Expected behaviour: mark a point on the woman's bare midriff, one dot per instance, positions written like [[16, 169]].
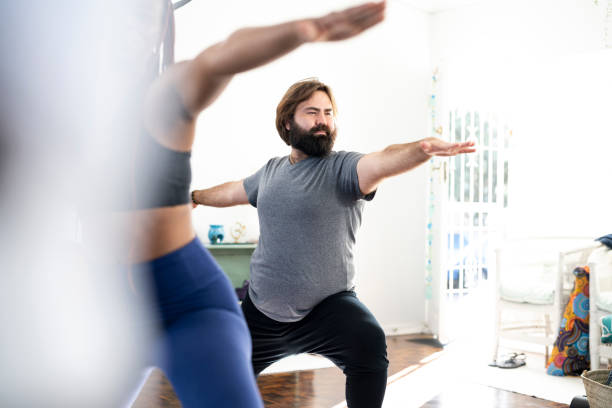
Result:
[[141, 235], [158, 231]]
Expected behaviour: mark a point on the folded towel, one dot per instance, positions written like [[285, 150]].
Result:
[[606, 240]]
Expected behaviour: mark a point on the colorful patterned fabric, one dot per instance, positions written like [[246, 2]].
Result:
[[570, 355], [606, 329]]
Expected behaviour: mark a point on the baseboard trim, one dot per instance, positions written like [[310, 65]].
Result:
[[398, 330]]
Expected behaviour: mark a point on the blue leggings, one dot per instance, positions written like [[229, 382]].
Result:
[[204, 346]]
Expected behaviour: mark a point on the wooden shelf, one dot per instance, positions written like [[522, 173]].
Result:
[[234, 246], [234, 259]]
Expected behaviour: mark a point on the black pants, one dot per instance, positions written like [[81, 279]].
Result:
[[340, 328]]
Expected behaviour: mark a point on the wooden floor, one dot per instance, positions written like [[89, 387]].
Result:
[[480, 396], [297, 389]]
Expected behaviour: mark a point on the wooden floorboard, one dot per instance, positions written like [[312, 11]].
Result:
[[474, 395], [323, 388]]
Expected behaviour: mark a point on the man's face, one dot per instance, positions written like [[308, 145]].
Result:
[[313, 129]]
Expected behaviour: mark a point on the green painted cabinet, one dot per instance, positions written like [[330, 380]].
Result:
[[234, 259]]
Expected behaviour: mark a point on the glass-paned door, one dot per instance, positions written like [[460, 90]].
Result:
[[472, 192]]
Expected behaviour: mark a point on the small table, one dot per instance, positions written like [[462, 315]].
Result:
[[234, 259]]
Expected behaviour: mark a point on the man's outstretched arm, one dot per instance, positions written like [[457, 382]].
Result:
[[224, 195], [397, 159]]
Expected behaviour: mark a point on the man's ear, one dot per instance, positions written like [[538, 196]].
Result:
[[287, 126]]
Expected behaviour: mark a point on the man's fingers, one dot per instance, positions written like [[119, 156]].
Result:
[[469, 143], [445, 149], [466, 151]]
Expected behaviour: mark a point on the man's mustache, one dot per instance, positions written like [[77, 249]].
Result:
[[319, 128]]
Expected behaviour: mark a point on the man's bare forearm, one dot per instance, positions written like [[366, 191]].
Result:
[[397, 159], [393, 160], [400, 158]]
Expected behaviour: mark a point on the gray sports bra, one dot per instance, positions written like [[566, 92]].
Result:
[[161, 176]]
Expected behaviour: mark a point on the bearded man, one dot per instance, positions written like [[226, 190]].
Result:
[[301, 297]]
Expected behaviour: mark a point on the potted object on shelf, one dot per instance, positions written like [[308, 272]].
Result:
[[216, 233]]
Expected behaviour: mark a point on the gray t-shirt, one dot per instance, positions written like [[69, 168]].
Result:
[[309, 213]]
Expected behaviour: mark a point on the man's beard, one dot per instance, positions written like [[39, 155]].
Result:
[[308, 142]]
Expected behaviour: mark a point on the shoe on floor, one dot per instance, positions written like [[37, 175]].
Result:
[[512, 360]]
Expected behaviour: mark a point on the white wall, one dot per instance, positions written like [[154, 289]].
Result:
[[381, 83], [541, 64], [506, 29]]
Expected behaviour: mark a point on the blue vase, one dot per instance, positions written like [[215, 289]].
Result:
[[215, 234]]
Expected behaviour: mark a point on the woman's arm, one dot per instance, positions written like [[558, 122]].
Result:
[[187, 88]]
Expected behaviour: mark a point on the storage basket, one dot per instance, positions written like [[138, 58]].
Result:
[[598, 394]]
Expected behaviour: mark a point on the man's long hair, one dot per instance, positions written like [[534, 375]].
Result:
[[296, 94]]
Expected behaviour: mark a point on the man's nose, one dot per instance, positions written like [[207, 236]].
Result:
[[321, 119]]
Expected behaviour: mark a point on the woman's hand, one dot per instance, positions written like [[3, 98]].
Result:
[[344, 24]]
